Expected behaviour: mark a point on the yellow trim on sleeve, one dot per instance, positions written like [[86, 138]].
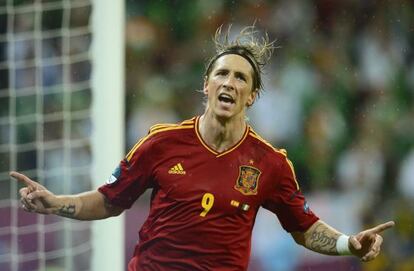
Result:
[[255, 135], [293, 172], [130, 153], [152, 132], [166, 125]]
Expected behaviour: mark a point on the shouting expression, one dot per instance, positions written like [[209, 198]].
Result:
[[229, 87]]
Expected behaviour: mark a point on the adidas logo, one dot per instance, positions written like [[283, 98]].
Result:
[[177, 169]]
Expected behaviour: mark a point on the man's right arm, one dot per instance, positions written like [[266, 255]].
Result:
[[90, 205]]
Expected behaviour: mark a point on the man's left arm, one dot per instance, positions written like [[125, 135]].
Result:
[[324, 239]]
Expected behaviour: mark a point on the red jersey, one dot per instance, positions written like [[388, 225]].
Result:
[[204, 203]]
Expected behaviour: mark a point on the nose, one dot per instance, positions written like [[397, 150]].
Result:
[[229, 82]]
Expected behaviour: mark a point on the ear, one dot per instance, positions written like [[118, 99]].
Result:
[[205, 85], [252, 98]]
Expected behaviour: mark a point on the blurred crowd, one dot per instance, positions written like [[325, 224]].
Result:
[[339, 96]]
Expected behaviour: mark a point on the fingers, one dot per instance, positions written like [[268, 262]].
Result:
[[27, 200], [374, 240], [382, 227], [34, 200], [38, 194], [24, 191], [374, 250], [27, 205], [355, 243], [367, 244], [23, 178]]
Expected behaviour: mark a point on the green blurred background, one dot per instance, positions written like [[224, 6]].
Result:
[[339, 96]]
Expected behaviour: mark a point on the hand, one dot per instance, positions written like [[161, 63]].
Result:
[[367, 244], [35, 197]]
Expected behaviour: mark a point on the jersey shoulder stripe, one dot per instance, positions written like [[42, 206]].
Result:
[[158, 128], [258, 137], [281, 151], [162, 126]]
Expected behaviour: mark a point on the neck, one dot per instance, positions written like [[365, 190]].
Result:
[[221, 134]]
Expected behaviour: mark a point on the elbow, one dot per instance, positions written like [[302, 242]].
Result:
[[112, 210], [299, 238], [117, 211]]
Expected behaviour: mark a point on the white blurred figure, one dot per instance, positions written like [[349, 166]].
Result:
[[273, 246], [279, 117], [405, 184], [360, 170]]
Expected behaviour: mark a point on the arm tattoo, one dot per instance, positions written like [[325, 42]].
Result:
[[67, 210], [323, 240]]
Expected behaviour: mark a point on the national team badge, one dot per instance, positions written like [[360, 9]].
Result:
[[248, 180]]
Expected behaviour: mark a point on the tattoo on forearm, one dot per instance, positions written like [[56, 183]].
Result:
[[322, 240], [67, 210]]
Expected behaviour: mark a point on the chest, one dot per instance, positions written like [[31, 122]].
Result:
[[232, 183]]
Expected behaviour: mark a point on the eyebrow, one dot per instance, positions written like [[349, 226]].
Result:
[[236, 72], [241, 74]]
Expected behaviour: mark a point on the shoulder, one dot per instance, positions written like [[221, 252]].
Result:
[[168, 129], [160, 133], [278, 157], [266, 147]]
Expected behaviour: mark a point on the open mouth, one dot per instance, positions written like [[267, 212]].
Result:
[[226, 98]]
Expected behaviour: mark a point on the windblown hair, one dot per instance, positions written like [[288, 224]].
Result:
[[257, 51]]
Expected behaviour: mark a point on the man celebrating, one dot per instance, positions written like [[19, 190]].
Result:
[[209, 175]]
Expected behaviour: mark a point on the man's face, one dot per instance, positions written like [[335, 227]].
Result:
[[229, 86]]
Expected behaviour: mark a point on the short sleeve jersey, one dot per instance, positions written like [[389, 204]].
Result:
[[204, 203]]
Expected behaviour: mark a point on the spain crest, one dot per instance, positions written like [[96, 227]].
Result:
[[248, 180]]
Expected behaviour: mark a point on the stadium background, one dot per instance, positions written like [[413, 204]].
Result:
[[339, 97]]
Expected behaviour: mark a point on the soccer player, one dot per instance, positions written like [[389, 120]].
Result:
[[209, 175]]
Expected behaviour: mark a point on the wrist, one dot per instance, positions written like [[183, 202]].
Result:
[[342, 245]]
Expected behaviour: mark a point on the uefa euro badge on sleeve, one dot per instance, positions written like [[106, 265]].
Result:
[[114, 176], [248, 180], [306, 207]]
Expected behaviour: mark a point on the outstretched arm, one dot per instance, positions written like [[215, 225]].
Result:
[[90, 205], [322, 238]]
